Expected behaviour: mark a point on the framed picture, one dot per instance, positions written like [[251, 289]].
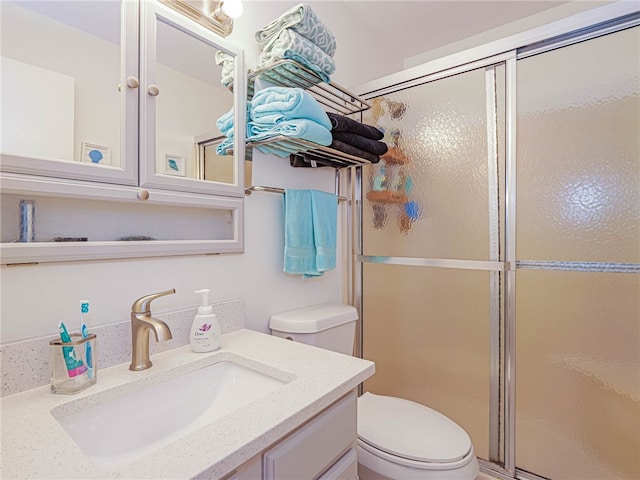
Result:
[[174, 165], [96, 154]]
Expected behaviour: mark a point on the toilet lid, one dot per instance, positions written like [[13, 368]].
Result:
[[410, 430]]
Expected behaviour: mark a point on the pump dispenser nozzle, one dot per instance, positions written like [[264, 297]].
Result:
[[205, 308]]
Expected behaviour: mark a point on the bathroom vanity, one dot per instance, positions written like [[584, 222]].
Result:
[[303, 427]]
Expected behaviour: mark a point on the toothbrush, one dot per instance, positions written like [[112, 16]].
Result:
[[84, 312], [74, 366]]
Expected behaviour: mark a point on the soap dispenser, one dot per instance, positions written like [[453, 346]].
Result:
[[205, 331]]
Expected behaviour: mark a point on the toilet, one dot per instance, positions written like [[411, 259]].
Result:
[[397, 439]]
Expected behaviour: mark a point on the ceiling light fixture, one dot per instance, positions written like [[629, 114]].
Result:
[[228, 10]]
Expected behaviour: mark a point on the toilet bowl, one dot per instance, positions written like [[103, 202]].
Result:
[[401, 439], [397, 439]]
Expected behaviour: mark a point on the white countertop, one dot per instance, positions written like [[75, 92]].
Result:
[[35, 445]]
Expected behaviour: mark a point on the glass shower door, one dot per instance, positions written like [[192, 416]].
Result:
[[578, 245], [504, 290], [431, 267]]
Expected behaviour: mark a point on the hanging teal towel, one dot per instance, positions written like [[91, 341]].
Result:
[[311, 220]]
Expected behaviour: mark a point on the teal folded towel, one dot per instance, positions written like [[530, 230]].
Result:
[[297, 128], [225, 123], [275, 104], [311, 220], [280, 149]]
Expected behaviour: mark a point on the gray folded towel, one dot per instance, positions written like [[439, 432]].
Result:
[[303, 20], [289, 44], [226, 61]]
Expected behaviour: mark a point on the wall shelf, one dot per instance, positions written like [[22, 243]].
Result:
[[313, 151], [287, 73]]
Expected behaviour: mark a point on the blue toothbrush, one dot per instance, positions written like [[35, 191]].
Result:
[[84, 311]]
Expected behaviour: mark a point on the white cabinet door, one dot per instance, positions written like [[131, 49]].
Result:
[[69, 90], [87, 130], [313, 449], [181, 98], [344, 469]]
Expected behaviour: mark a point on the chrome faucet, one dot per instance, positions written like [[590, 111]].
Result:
[[141, 323]]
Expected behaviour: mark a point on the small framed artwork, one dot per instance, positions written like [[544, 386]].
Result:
[[174, 165], [96, 154]]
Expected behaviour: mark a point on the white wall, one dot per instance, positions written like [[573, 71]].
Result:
[[361, 54], [527, 23], [35, 298]]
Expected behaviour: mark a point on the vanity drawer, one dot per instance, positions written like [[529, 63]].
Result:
[[308, 452], [344, 469]]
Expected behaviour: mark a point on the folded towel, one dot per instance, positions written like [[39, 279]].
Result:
[[225, 123], [351, 150], [226, 61], [307, 159], [340, 123], [363, 143], [286, 71], [311, 219], [291, 45], [279, 149], [296, 128], [275, 104], [303, 20]]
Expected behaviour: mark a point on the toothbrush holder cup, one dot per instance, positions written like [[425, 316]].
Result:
[[73, 364]]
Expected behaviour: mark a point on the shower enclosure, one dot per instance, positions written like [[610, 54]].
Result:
[[497, 266]]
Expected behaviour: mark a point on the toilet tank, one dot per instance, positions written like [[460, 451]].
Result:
[[329, 325]]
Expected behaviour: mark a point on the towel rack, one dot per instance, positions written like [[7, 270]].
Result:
[[289, 73], [258, 188]]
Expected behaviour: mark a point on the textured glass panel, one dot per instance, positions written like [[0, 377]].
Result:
[[578, 152], [428, 196], [578, 374], [427, 330]]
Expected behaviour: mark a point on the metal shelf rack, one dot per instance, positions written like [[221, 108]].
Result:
[[314, 152], [288, 73]]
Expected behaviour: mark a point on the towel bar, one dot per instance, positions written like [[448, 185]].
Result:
[[258, 188]]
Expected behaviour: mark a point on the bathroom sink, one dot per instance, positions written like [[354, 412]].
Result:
[[121, 430]]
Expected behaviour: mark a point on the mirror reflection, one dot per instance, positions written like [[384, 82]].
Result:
[[213, 166], [191, 98], [60, 73]]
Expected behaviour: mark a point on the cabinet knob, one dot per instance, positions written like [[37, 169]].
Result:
[[132, 82], [153, 90], [143, 194]]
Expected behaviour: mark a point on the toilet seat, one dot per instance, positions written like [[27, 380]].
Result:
[[394, 429]]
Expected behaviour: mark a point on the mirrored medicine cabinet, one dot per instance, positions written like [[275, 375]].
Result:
[[116, 99]]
